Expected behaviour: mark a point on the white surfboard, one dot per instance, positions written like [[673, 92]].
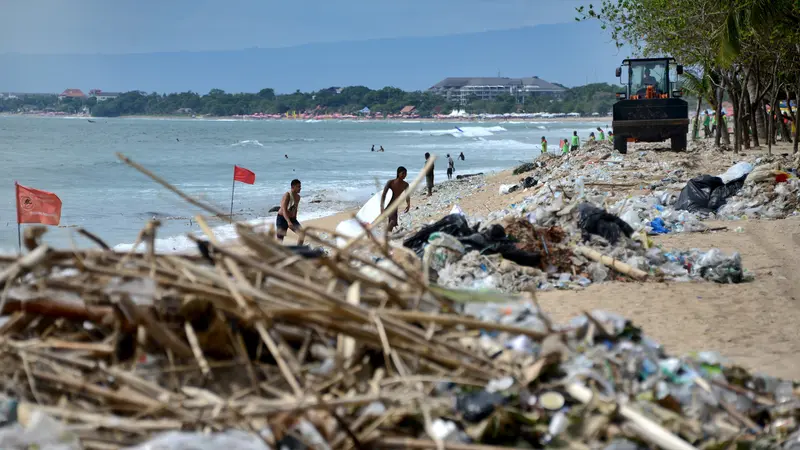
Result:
[[367, 214], [372, 209]]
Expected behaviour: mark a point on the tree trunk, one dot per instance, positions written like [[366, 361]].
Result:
[[796, 115], [751, 111], [696, 127], [758, 120], [771, 122], [737, 113], [786, 127], [718, 116]]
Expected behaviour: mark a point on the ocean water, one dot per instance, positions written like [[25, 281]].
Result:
[[76, 160]]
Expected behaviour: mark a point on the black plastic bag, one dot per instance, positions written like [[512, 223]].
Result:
[[721, 194], [454, 224], [306, 251], [477, 406], [594, 220], [696, 195], [494, 240], [529, 182]]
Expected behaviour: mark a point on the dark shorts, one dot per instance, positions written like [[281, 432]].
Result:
[[449, 171], [429, 180], [282, 225]]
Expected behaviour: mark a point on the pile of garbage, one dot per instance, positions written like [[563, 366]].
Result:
[[573, 248], [269, 349], [771, 191]]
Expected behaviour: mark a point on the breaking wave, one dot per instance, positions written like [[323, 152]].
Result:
[[469, 132], [481, 144], [249, 142]]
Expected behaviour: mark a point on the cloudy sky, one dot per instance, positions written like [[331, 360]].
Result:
[[145, 26]]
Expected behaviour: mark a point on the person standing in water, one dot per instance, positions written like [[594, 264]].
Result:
[[373, 147], [287, 214], [461, 156], [429, 176], [451, 167], [544, 145], [576, 141], [398, 186], [381, 149]]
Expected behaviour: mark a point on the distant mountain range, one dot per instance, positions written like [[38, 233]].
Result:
[[569, 54]]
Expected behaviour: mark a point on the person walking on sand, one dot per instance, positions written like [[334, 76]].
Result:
[[544, 145], [600, 135], [451, 167], [576, 141], [429, 176], [287, 214], [398, 186]]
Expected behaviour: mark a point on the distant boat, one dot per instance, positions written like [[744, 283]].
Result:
[[91, 121]]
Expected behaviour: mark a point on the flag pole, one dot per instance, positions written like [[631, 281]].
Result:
[[233, 189], [19, 227]]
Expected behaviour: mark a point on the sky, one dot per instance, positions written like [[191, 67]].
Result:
[[37, 33]]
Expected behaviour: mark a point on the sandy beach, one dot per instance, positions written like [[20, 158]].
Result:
[[752, 324]]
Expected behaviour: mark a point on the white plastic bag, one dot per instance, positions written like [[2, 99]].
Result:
[[736, 171], [231, 439]]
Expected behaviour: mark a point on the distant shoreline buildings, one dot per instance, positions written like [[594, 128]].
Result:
[[462, 89]]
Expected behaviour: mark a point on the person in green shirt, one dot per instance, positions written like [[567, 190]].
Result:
[[706, 125], [610, 136], [565, 148], [544, 145], [601, 136], [576, 141]]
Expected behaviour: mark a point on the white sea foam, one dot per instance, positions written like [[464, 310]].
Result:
[[481, 144], [223, 233], [247, 142], [469, 132]]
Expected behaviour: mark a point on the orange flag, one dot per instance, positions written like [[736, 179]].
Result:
[[35, 206]]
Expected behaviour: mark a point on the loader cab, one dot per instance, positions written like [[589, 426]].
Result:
[[650, 72]]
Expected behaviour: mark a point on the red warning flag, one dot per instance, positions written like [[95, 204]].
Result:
[[243, 175], [35, 206]]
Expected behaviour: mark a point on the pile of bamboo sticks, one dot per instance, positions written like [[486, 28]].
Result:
[[124, 345]]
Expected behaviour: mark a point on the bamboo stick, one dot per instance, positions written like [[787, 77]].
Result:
[[612, 263]]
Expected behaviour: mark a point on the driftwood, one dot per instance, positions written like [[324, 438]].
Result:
[[612, 263]]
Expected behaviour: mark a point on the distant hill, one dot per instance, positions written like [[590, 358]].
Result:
[[569, 54]]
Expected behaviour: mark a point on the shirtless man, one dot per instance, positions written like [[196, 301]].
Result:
[[287, 214], [429, 175], [398, 186]]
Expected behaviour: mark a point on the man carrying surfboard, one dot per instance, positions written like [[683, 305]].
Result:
[[397, 186]]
